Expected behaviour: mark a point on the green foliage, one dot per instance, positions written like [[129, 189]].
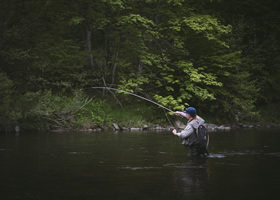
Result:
[[94, 114], [209, 26], [215, 55], [137, 115], [130, 84], [45, 110], [5, 99], [5, 90], [169, 101], [76, 20]]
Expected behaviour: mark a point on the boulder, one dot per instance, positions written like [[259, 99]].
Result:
[[159, 128], [115, 126], [135, 129], [125, 128], [211, 127], [145, 127], [222, 127], [17, 129]]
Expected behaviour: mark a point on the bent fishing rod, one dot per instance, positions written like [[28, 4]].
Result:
[[109, 88]]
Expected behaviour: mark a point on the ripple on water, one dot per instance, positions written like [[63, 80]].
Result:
[[137, 168], [79, 153], [227, 154], [184, 165], [244, 153], [276, 154], [5, 149], [216, 156]]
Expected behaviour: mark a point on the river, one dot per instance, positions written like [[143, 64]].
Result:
[[243, 164]]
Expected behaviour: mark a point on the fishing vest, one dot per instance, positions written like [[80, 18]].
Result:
[[193, 139]]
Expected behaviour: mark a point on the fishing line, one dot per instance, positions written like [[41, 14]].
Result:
[[109, 88]]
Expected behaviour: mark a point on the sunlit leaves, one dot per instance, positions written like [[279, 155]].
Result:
[[209, 26], [76, 20], [131, 83], [169, 101]]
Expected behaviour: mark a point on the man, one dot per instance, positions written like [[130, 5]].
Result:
[[189, 135]]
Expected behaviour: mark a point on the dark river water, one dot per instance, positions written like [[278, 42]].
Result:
[[243, 164]]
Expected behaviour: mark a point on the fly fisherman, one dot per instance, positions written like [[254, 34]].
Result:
[[196, 145]]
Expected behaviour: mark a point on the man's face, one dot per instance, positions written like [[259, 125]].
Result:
[[188, 116]]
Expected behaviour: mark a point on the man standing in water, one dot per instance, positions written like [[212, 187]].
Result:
[[196, 145]]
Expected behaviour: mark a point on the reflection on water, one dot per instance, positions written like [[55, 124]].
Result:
[[245, 153], [190, 179], [277, 154], [242, 164], [138, 168], [216, 155]]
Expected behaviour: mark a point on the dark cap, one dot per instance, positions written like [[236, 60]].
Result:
[[191, 111]]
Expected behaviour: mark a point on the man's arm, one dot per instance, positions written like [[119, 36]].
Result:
[[180, 114], [185, 133]]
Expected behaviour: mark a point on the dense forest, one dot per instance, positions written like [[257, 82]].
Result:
[[220, 56]]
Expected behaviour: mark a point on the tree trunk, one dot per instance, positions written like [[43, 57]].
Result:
[[89, 45], [115, 65], [140, 69], [107, 54]]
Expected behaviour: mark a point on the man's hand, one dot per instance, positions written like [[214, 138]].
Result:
[[180, 114], [174, 132], [177, 113]]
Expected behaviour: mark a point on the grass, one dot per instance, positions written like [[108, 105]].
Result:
[[104, 112], [132, 115]]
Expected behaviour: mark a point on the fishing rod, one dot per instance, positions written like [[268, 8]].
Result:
[[109, 88]]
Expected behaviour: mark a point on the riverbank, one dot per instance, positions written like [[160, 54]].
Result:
[[78, 113], [178, 125], [163, 127]]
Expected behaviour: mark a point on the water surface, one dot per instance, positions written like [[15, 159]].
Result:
[[243, 164]]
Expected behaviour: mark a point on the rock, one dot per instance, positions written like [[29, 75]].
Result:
[[221, 127], [90, 130], [246, 126], [115, 126], [17, 129], [124, 128], [145, 127], [158, 128], [210, 127], [135, 129], [83, 130]]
